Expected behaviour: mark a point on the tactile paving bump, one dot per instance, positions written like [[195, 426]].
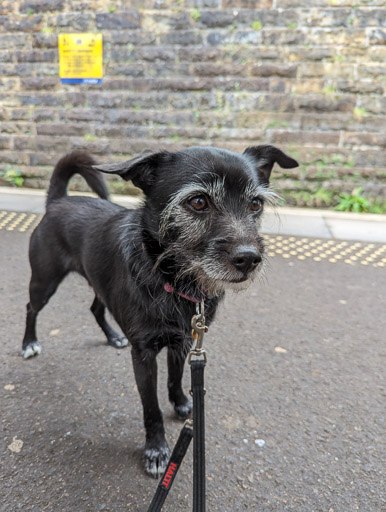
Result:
[[287, 247], [16, 221], [332, 251]]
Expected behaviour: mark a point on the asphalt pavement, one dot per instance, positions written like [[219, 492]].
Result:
[[295, 402]]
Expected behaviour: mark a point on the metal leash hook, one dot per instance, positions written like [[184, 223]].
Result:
[[198, 330]]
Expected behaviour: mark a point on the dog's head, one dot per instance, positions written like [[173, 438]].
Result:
[[202, 211]]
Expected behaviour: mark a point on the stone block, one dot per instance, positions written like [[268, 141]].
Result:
[[22, 23], [364, 139], [41, 99], [360, 87], [5, 142], [14, 157], [74, 22], [247, 4], [81, 115], [215, 19], [64, 129], [19, 128], [273, 36], [336, 36], [214, 69], [309, 53], [43, 114], [135, 37], [181, 37], [36, 84], [42, 6], [45, 41], [10, 41], [372, 70], [119, 20], [372, 104], [6, 56], [305, 138], [267, 70], [377, 36], [371, 17], [19, 114], [198, 53], [309, 86], [316, 103], [36, 55], [153, 53]]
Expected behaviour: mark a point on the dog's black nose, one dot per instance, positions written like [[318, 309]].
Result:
[[245, 259]]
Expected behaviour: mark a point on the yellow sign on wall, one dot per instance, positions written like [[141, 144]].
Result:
[[80, 58]]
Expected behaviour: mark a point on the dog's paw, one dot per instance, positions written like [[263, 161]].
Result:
[[118, 341], [31, 350], [156, 460], [183, 411]]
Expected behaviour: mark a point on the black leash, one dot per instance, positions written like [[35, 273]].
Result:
[[197, 361], [166, 481], [197, 369]]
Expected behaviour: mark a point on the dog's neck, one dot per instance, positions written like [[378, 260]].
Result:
[[169, 288], [167, 267]]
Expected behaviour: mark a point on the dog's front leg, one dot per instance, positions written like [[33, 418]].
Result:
[[156, 449], [182, 404]]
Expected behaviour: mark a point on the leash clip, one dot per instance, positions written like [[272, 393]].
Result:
[[198, 331]]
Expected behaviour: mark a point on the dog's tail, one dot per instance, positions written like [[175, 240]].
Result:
[[78, 162]]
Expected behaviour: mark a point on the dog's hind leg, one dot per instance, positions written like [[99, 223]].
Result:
[[113, 338], [40, 289], [182, 405], [156, 453]]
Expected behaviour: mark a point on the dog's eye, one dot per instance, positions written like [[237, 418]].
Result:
[[256, 204], [198, 203]]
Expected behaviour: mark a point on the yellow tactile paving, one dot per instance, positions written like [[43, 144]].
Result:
[[287, 247], [17, 221], [332, 251]]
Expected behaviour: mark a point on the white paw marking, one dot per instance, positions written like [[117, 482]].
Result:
[[123, 342], [33, 349], [156, 461]]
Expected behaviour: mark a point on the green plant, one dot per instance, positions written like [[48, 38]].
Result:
[[329, 90], [89, 137], [277, 124], [292, 25], [257, 25], [323, 197], [13, 177], [351, 20], [112, 9], [359, 112], [195, 14], [354, 202]]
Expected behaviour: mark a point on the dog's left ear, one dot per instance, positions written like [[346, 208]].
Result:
[[140, 170], [265, 156]]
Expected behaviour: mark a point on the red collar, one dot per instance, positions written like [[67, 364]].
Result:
[[169, 288]]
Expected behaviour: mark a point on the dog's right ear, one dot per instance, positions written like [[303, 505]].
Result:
[[140, 170]]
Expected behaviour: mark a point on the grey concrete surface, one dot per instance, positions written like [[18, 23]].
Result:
[[295, 403], [285, 221]]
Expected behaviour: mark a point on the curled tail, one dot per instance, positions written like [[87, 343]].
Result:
[[78, 162]]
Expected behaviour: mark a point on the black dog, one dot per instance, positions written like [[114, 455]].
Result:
[[195, 236]]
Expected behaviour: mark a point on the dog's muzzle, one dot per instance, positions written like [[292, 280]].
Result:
[[245, 259]]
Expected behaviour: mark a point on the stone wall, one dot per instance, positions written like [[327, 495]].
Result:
[[306, 75]]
